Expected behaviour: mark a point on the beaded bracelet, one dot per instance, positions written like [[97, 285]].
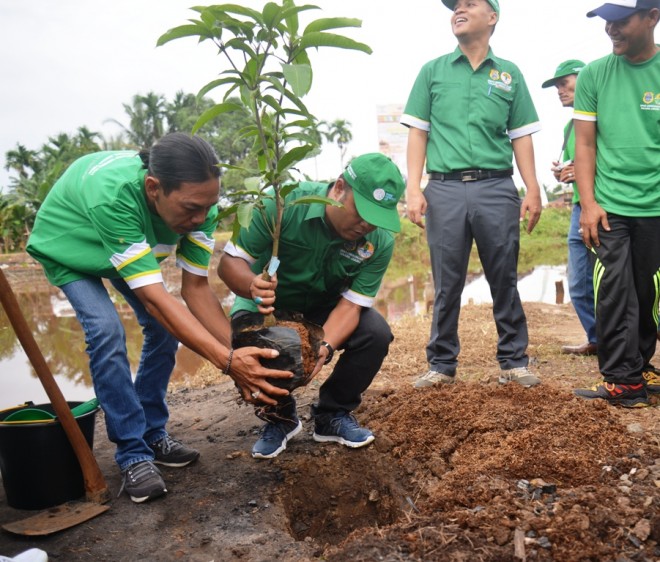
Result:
[[226, 369]]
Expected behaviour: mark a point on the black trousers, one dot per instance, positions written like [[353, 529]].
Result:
[[361, 358], [362, 355], [626, 290]]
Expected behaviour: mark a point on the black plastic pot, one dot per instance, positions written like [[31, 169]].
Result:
[[248, 330]]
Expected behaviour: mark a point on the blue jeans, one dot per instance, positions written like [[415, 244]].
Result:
[[580, 277], [135, 412]]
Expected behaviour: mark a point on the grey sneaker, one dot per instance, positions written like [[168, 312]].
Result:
[[521, 375], [170, 452], [433, 378], [142, 481]]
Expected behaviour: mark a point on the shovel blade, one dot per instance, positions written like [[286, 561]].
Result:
[[56, 518]]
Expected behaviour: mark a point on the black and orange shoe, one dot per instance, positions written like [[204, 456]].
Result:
[[652, 382], [626, 395]]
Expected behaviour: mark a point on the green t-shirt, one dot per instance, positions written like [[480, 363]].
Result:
[[317, 267], [95, 222], [624, 100], [471, 116]]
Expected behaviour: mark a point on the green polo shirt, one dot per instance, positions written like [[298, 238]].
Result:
[[471, 116], [623, 99], [569, 154], [317, 267], [95, 222]]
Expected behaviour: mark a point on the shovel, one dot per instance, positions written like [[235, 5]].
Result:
[[96, 491]]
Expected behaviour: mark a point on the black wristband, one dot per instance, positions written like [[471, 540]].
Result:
[[331, 351], [228, 367]]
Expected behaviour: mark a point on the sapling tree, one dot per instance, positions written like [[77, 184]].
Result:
[[267, 64]]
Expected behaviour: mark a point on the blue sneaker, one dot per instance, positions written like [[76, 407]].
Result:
[[341, 427], [274, 437]]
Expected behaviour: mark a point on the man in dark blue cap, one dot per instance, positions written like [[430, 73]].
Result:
[[617, 149], [618, 11]]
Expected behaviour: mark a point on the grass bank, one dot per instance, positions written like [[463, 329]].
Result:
[[546, 245]]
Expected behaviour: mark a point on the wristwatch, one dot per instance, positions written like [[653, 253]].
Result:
[[330, 349]]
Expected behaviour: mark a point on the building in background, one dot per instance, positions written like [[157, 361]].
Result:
[[392, 135]]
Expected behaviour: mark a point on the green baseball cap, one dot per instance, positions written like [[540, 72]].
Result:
[[377, 187], [493, 3], [566, 68]]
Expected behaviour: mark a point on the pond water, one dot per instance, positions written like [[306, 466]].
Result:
[[61, 340]]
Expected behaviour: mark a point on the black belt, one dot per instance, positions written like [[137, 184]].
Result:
[[471, 175]]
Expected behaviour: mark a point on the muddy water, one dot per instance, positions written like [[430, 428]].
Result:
[[61, 340]]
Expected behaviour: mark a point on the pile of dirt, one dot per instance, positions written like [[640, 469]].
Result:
[[488, 464], [475, 471]]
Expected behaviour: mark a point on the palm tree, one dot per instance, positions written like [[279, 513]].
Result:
[[314, 135], [182, 112], [86, 140], [154, 105], [339, 133], [20, 160], [146, 116]]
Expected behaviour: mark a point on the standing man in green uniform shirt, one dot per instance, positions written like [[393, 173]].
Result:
[[468, 113], [617, 150], [580, 268], [116, 215], [333, 260]]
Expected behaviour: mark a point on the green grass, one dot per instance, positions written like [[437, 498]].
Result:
[[546, 245]]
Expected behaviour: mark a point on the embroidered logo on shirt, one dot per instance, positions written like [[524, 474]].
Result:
[[651, 101], [357, 252], [500, 80], [366, 250]]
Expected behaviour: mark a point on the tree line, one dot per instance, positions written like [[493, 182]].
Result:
[[150, 116]]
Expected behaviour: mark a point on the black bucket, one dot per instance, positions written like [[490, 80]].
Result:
[[39, 468]]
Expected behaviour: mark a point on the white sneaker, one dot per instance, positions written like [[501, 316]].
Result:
[[32, 555], [521, 375], [432, 378]]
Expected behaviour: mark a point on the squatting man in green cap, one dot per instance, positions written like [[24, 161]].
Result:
[[333, 260], [469, 112], [580, 267]]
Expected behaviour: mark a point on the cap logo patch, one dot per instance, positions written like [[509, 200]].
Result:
[[379, 194]]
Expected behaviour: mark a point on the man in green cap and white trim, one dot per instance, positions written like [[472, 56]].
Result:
[[580, 267], [469, 112], [333, 259]]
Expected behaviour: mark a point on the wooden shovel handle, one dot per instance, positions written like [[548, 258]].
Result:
[[96, 489]]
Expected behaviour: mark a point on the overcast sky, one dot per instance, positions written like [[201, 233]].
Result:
[[68, 63]]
